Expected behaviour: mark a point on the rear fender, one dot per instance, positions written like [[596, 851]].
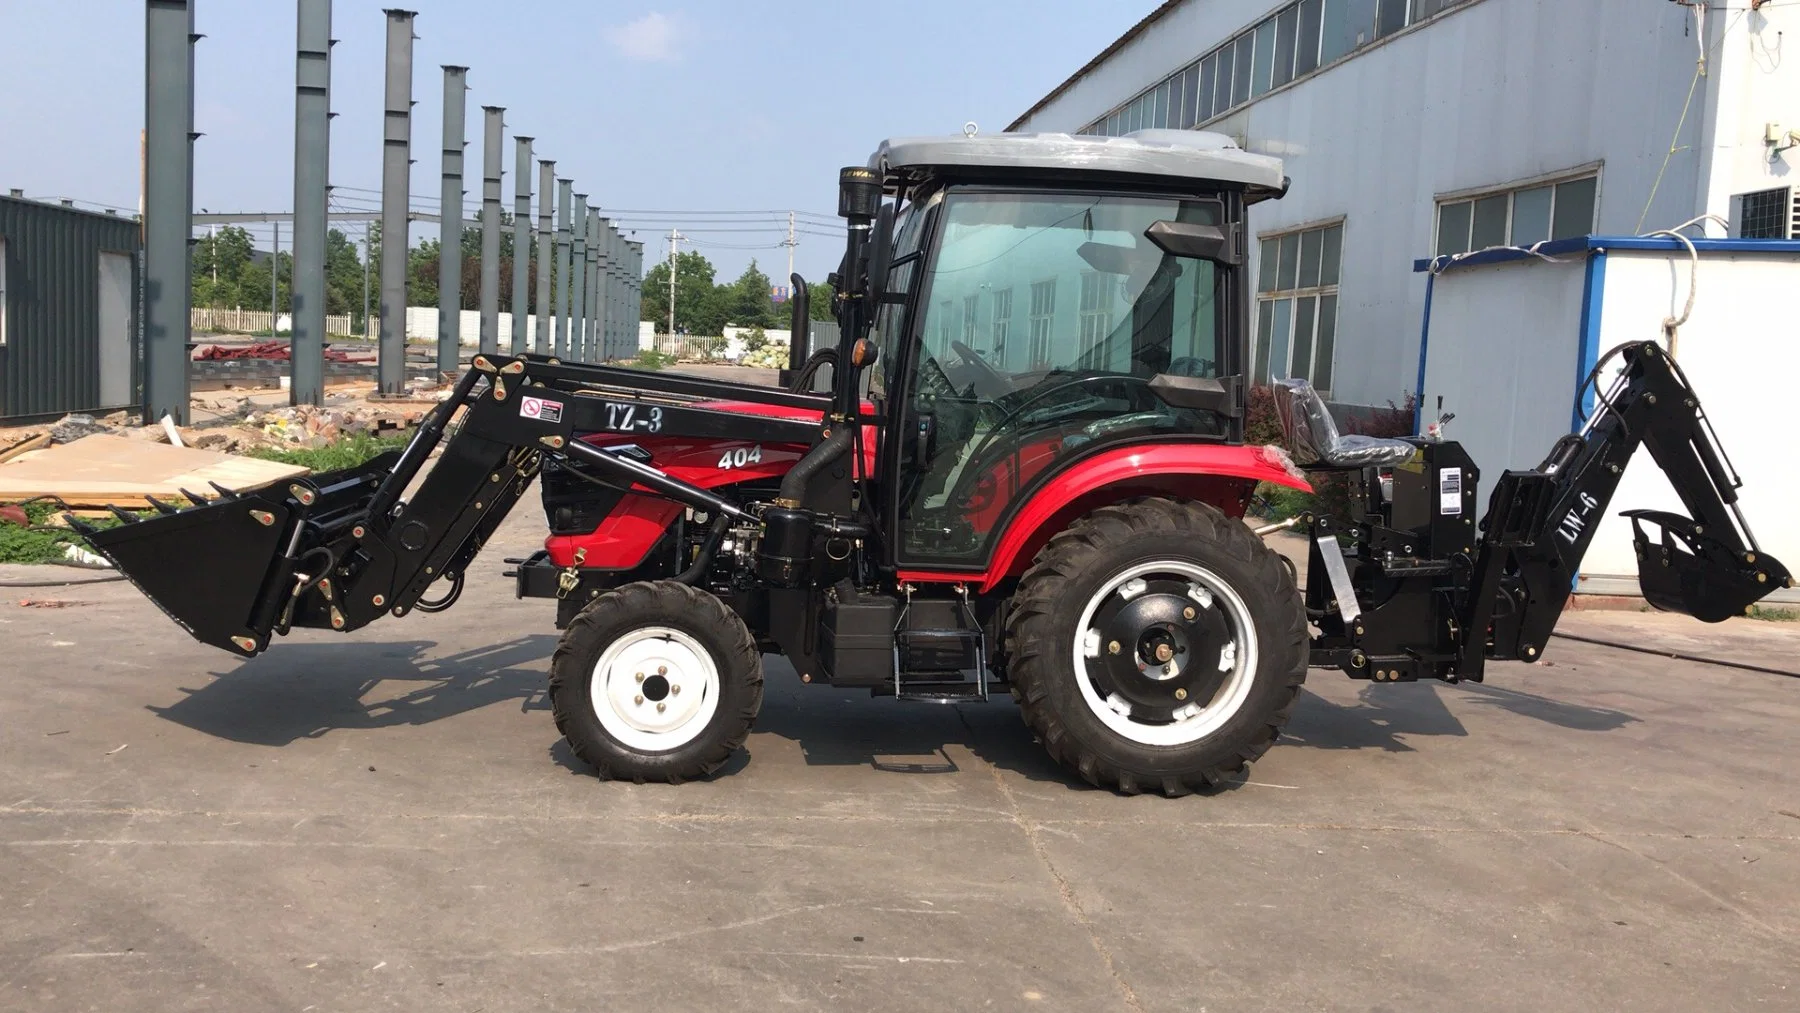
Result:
[[1223, 476]]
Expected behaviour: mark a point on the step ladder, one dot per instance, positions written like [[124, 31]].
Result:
[[941, 691]]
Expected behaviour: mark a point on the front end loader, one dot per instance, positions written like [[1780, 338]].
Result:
[[1022, 470]]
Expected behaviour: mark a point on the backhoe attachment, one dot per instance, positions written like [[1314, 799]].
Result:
[[1409, 587]]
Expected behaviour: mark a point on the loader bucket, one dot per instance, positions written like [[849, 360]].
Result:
[[206, 566], [1686, 571]]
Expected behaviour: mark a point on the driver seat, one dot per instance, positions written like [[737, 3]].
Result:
[[1313, 436]]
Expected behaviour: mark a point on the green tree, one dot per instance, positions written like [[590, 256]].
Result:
[[747, 302], [818, 301], [343, 275], [697, 305]]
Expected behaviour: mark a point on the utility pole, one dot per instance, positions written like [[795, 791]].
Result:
[[275, 281], [790, 245], [674, 237]]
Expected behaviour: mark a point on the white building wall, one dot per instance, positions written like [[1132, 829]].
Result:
[[1491, 93], [1738, 351]]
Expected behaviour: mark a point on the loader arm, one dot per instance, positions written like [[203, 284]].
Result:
[[338, 550]]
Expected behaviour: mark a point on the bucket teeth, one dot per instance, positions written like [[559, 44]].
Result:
[[194, 498], [161, 507], [124, 516], [79, 526], [224, 493]]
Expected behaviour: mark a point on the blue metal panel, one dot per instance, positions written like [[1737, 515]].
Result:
[[1424, 349], [1593, 298], [1508, 254]]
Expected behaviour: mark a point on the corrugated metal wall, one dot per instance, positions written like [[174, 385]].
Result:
[[51, 361]]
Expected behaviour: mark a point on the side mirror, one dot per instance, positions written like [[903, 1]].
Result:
[[1198, 242]]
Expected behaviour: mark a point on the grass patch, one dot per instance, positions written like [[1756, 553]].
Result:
[[1774, 614], [649, 359], [345, 453], [39, 543]]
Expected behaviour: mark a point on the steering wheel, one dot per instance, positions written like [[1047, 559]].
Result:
[[973, 358]]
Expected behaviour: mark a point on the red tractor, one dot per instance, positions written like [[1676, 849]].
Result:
[[1027, 472]]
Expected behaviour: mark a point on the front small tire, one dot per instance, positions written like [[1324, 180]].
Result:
[[655, 681], [1156, 645]]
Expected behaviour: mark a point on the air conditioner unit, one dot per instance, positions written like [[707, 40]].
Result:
[[1766, 214]]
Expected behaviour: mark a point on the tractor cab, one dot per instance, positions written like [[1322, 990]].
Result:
[[1045, 298]]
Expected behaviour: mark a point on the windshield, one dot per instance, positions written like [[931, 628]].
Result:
[[1038, 283]]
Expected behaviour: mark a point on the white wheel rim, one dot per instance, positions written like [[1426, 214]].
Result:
[[655, 689], [1198, 718]]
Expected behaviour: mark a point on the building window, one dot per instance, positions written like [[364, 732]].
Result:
[[1296, 305], [1518, 217], [1096, 310], [1002, 322], [945, 334], [1768, 214], [1296, 40], [971, 310], [1043, 312]]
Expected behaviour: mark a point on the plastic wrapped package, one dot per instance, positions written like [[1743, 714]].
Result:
[[1313, 436]]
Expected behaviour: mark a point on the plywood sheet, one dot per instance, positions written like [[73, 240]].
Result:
[[103, 469]]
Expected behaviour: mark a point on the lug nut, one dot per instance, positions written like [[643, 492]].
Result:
[[1181, 694], [674, 690], [640, 677], [662, 670], [638, 700], [661, 707], [1164, 652], [1112, 648], [1188, 613]]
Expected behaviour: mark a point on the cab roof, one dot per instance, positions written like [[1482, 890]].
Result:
[[1175, 155]]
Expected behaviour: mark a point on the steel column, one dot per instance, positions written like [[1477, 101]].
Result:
[[521, 305], [396, 177], [493, 136], [450, 219], [168, 204], [634, 294], [546, 239], [312, 163], [578, 259], [564, 196], [603, 264]]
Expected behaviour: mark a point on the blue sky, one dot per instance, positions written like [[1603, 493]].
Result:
[[695, 106]]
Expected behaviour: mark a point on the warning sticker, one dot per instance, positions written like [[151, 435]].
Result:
[[1450, 491], [541, 409]]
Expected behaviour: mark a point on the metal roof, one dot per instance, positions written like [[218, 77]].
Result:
[[1176, 154]]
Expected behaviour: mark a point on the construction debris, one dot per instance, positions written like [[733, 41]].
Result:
[[273, 351], [106, 470]]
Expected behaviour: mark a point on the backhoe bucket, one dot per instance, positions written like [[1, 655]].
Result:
[[208, 567], [1688, 572]]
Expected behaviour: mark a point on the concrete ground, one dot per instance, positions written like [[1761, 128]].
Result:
[[389, 821]]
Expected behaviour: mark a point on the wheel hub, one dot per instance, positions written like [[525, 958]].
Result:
[[655, 688], [1164, 650]]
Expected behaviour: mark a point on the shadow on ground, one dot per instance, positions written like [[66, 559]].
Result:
[[306, 690], [1382, 715]]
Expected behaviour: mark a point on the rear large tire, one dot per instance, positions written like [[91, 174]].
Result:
[[656, 681], [1156, 644]]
